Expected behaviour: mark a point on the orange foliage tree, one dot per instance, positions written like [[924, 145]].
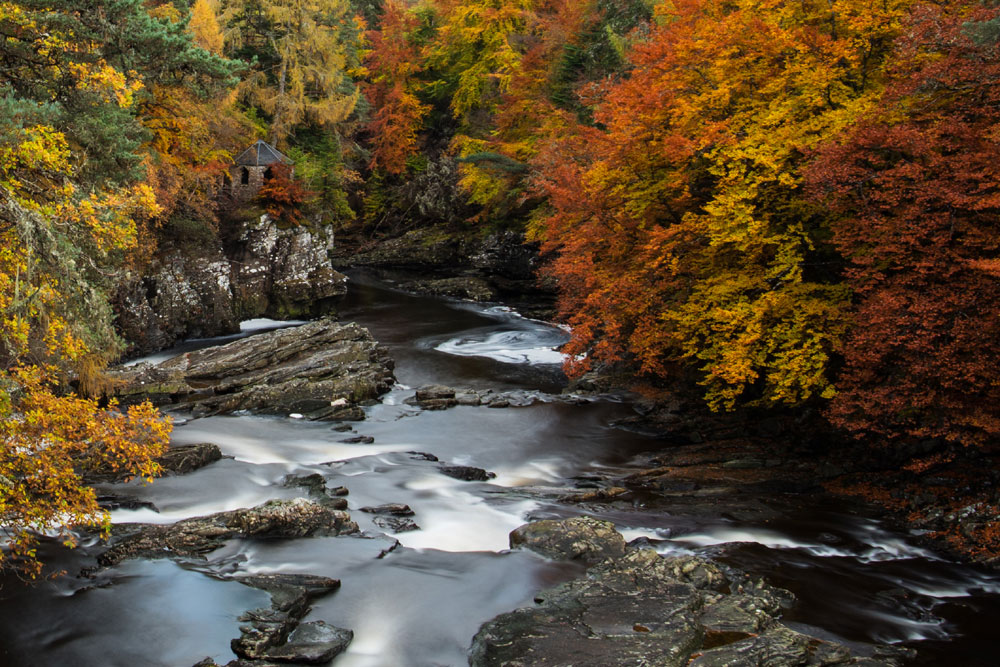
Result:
[[393, 63], [679, 223], [282, 196]]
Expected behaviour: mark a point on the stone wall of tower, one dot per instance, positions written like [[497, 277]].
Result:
[[247, 181]]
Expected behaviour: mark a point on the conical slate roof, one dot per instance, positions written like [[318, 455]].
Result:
[[261, 154]]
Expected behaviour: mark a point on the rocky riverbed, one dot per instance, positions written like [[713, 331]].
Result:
[[442, 530]]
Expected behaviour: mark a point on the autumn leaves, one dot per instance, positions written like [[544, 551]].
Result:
[[684, 230], [793, 199]]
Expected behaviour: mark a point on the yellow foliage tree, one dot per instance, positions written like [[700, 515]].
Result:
[[60, 243], [310, 46]]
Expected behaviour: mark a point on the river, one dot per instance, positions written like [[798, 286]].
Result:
[[419, 605]]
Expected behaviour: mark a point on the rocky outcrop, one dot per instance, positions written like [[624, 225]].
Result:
[[504, 254], [283, 273], [469, 288], [321, 370], [636, 607], [440, 261], [200, 535], [204, 288], [183, 294]]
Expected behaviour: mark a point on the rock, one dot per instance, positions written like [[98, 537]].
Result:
[[269, 629], [302, 369], [316, 485], [200, 535], [580, 538], [283, 273], [394, 509], [597, 495], [433, 397], [738, 614], [358, 440], [471, 288], [641, 608], [499, 261], [433, 391], [466, 473], [205, 286], [423, 456], [395, 524], [291, 592], [112, 502], [437, 403], [312, 643], [185, 293], [469, 398], [182, 459], [177, 460], [779, 647], [351, 413], [263, 629]]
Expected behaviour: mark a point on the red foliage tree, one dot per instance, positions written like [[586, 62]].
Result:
[[918, 188], [282, 196]]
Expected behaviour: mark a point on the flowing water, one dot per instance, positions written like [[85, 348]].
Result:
[[419, 605]]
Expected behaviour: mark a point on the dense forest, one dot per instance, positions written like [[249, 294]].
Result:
[[778, 203]]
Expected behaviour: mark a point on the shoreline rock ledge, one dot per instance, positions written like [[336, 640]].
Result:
[[322, 370], [636, 607]]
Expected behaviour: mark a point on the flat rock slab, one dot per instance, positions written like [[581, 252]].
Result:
[[200, 535], [441, 397], [321, 370]]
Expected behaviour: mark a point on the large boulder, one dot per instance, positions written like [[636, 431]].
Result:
[[321, 370]]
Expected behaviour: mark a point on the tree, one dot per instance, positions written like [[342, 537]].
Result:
[[393, 64], [682, 232], [303, 51], [70, 209], [916, 186], [475, 49]]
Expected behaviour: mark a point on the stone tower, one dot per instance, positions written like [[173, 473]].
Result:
[[250, 168]]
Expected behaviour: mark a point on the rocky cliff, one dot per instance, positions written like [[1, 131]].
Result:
[[205, 288]]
